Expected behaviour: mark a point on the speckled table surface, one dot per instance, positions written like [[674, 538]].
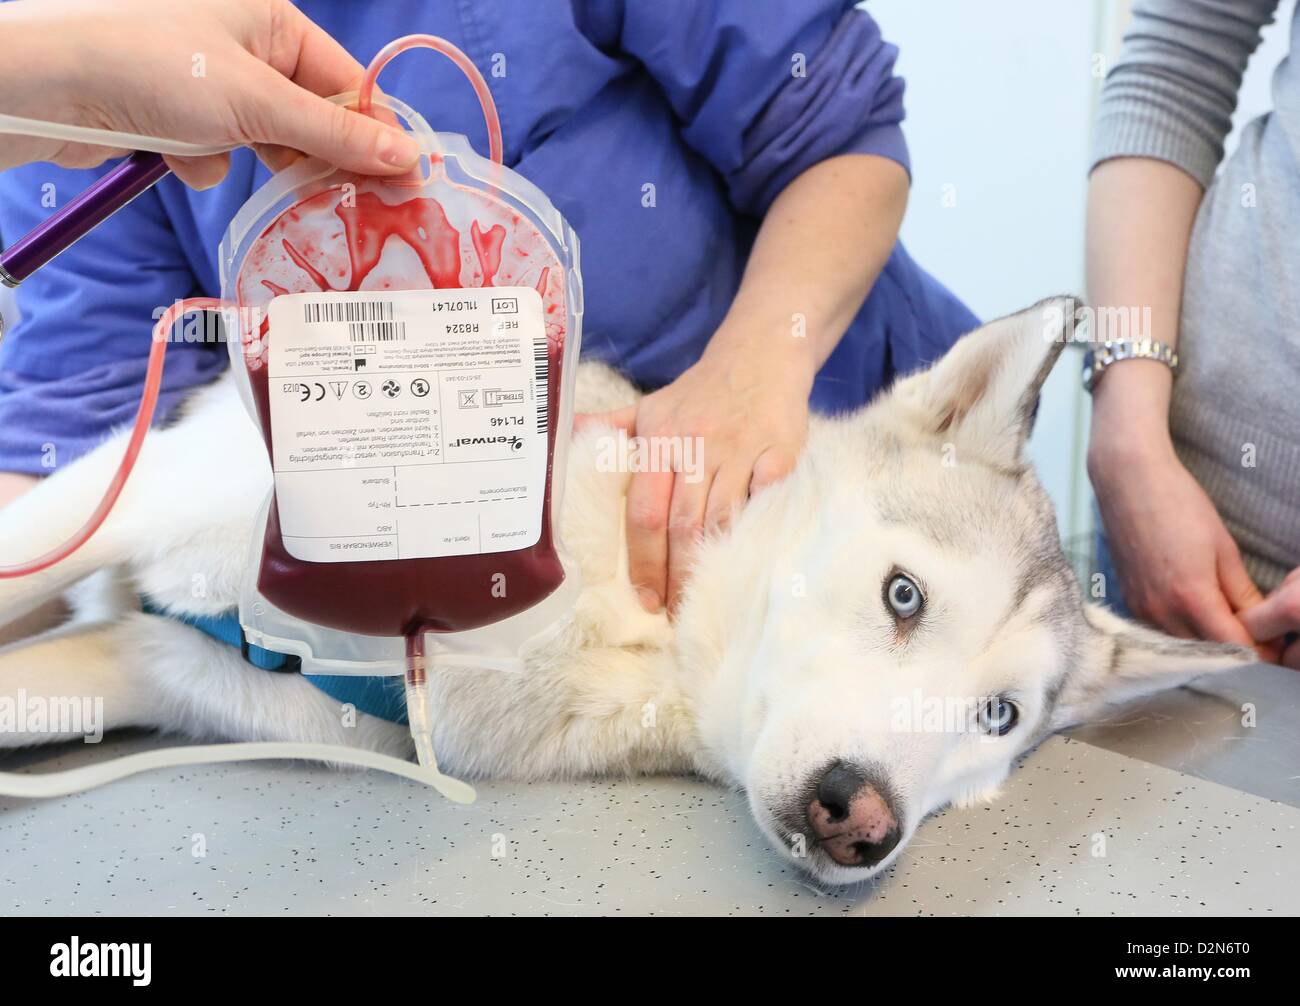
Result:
[[1086, 825]]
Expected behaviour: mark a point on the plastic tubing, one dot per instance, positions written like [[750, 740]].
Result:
[[46, 785], [419, 716], [482, 92], [16, 126], [143, 419]]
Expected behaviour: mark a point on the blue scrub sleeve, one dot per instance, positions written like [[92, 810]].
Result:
[[767, 89]]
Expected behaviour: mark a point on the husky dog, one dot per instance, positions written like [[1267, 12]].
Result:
[[911, 562]]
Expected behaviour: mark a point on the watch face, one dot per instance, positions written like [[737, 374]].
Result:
[[1089, 359]]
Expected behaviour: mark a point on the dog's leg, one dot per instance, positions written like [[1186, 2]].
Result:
[[152, 672], [70, 683], [206, 470], [597, 712], [33, 524], [48, 514], [206, 690], [40, 619]]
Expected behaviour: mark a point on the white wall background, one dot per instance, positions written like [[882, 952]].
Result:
[[1000, 101], [1255, 97]]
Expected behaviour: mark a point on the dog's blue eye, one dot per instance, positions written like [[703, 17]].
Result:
[[998, 716], [903, 596]]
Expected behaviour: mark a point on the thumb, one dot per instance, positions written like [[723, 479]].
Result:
[[288, 116]]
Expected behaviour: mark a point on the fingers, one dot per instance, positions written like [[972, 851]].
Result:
[[668, 513], [649, 500], [276, 158], [772, 465], [649, 497], [323, 66], [1270, 652], [1268, 620], [199, 172], [196, 172], [619, 419], [708, 503], [699, 507], [78, 155], [1276, 615], [1210, 617], [730, 488], [1238, 587], [288, 116], [686, 515]]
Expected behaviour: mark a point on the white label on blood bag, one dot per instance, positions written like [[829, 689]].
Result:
[[408, 424]]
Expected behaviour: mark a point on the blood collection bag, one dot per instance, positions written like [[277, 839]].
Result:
[[408, 349]]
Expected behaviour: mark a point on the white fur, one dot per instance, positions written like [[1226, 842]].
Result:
[[783, 658]]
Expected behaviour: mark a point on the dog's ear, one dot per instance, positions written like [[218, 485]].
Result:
[[1123, 661], [982, 395]]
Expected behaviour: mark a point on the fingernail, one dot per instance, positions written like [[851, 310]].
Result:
[[649, 599], [398, 149]]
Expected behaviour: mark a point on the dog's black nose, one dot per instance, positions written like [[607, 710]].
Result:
[[852, 820]]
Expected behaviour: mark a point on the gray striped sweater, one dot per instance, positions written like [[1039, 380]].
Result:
[[1235, 416]]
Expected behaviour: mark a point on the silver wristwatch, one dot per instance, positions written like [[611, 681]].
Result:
[[1101, 356]]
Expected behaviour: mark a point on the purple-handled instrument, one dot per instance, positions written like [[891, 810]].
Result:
[[135, 175]]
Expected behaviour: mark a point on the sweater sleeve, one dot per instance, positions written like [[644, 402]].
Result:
[[764, 90], [1172, 94]]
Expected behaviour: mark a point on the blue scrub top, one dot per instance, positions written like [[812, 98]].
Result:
[[715, 105]]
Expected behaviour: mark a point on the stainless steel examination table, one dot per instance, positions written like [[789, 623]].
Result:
[[1172, 807]]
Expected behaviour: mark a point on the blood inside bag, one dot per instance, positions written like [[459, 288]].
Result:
[[343, 239]]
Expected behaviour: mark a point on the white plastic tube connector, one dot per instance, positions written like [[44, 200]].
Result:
[[44, 785], [17, 126], [420, 716]]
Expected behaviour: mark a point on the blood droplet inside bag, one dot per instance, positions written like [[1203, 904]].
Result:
[[369, 236]]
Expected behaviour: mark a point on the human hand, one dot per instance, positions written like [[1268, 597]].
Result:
[[206, 71], [1178, 566], [734, 423], [1276, 620]]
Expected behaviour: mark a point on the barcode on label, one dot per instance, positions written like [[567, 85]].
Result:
[[377, 331], [540, 363], [362, 310]]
